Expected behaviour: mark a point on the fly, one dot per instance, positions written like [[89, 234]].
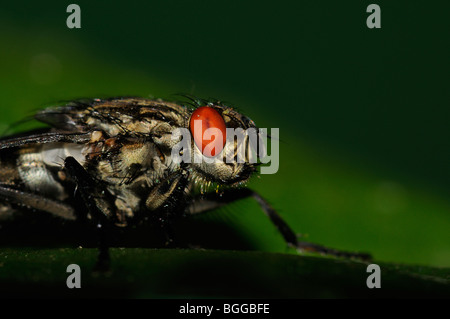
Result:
[[109, 162]]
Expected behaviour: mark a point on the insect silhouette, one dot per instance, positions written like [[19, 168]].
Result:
[[109, 162]]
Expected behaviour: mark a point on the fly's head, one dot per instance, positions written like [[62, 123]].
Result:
[[220, 143]]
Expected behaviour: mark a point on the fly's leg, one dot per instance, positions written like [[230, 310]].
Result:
[[212, 201], [164, 201], [34, 201], [92, 197]]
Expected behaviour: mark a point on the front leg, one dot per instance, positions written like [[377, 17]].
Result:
[[210, 201], [166, 202], [92, 198]]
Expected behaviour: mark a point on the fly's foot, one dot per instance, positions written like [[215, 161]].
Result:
[[103, 264]]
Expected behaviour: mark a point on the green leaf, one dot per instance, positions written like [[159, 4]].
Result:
[[181, 273]]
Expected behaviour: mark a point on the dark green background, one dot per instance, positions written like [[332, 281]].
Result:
[[363, 113]]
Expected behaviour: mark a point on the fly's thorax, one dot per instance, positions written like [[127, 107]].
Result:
[[127, 161], [117, 116]]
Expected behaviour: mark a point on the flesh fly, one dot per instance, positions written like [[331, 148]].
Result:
[[110, 162]]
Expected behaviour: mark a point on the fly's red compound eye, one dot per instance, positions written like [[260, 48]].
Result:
[[202, 119]]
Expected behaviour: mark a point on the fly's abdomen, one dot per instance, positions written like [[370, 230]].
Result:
[[36, 176], [37, 169], [9, 174]]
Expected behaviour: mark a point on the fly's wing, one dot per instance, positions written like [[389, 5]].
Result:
[[68, 118]]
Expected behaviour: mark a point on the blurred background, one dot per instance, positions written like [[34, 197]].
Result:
[[363, 113]]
